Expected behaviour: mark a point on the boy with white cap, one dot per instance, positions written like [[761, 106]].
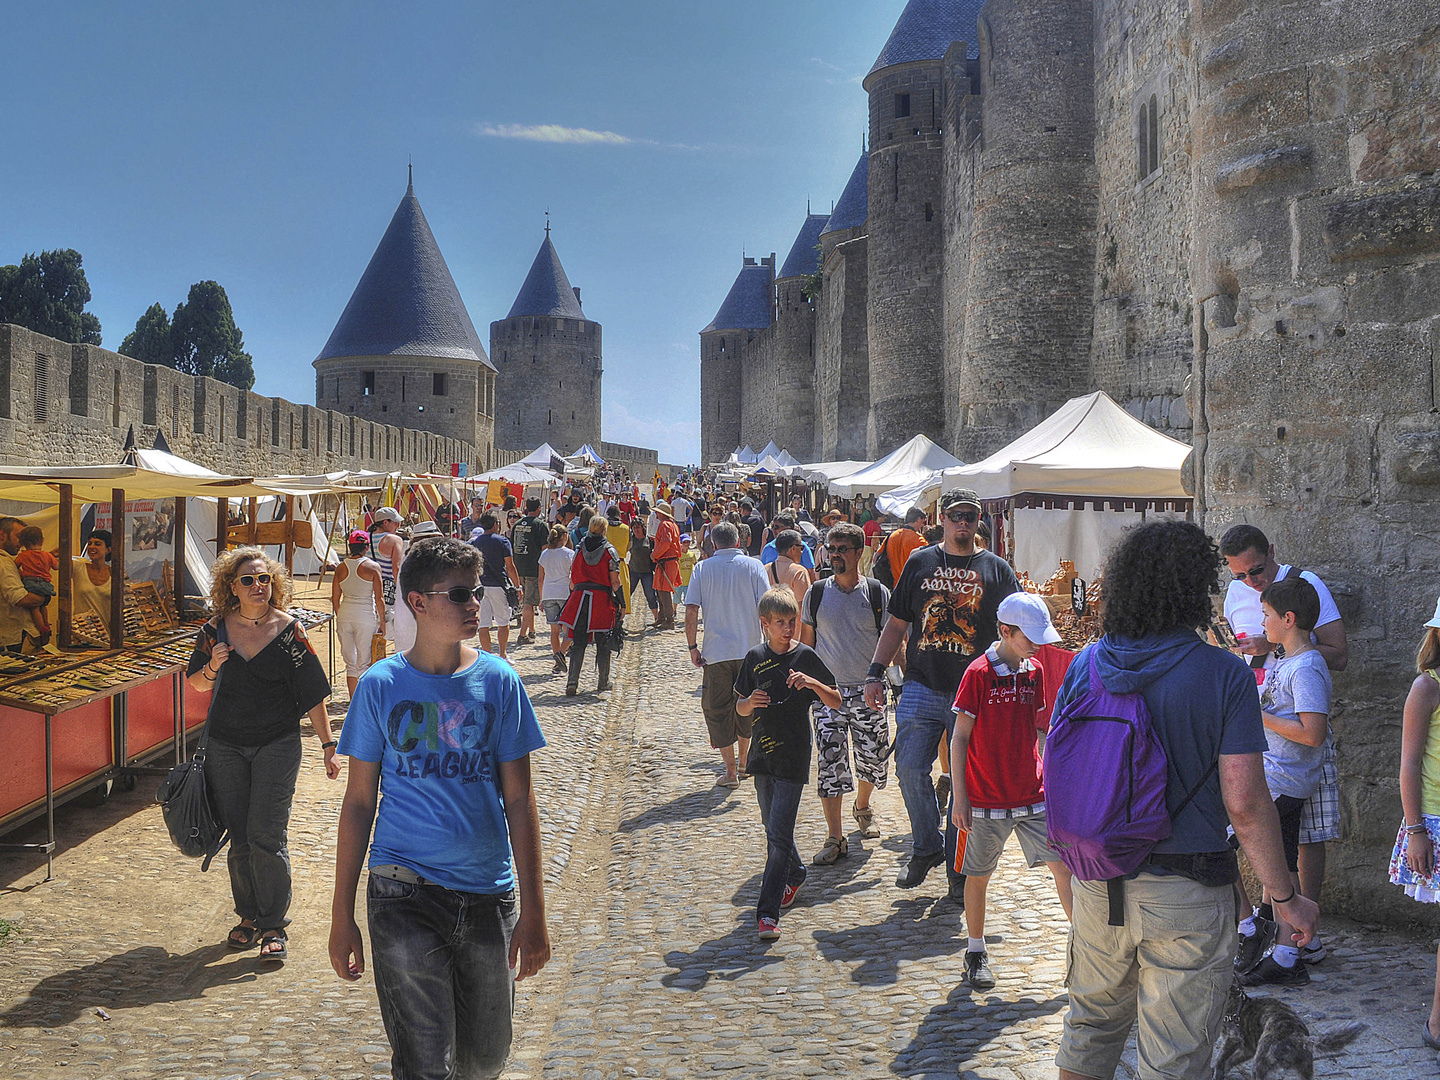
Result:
[[1001, 739]]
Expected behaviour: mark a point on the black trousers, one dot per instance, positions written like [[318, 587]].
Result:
[[580, 638]]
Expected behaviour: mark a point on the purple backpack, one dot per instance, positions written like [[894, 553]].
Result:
[[1105, 778]]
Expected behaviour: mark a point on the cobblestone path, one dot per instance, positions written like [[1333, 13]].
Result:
[[651, 875]]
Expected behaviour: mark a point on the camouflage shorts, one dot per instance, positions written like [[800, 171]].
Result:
[[834, 730]]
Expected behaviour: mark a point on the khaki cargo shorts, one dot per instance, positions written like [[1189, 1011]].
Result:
[[1169, 967], [717, 700]]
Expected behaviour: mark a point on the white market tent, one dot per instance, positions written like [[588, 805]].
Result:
[[518, 473], [786, 458], [589, 456], [541, 456], [771, 450], [1089, 453], [746, 456], [920, 494], [909, 464], [826, 471]]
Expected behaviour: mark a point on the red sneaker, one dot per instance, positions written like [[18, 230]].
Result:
[[769, 930], [788, 896]]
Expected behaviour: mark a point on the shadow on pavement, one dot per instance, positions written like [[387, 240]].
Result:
[[711, 802], [978, 1020], [143, 976], [919, 928], [75, 822], [736, 954]]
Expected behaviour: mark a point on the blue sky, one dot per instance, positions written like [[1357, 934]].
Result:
[[264, 146]]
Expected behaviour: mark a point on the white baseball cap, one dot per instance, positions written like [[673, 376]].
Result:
[[1435, 619], [1031, 615]]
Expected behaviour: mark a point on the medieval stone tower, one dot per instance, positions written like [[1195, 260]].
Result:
[[906, 239], [842, 350], [748, 309], [794, 337], [405, 353], [548, 357]]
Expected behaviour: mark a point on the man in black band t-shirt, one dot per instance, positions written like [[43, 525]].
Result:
[[945, 600]]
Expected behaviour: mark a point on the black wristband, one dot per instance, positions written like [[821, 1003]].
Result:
[[876, 672], [1283, 899], [327, 745]]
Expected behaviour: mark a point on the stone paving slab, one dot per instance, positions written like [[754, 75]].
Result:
[[651, 877]]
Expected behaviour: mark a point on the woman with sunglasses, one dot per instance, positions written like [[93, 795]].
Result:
[[591, 611], [264, 677]]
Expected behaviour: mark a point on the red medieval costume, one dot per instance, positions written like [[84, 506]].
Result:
[[590, 612], [665, 554]]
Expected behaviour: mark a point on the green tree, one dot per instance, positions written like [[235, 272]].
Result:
[[205, 339], [150, 342], [47, 293]]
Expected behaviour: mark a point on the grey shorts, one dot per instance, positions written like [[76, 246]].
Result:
[[530, 591], [1320, 816], [987, 836], [836, 729], [552, 610]]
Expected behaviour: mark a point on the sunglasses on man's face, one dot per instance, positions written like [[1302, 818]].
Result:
[[840, 550], [1254, 575], [248, 581], [968, 517], [459, 594]]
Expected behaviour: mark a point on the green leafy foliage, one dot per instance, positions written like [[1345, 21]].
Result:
[[47, 293], [150, 341]]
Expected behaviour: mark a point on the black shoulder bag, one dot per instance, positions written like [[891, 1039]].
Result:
[[185, 801]]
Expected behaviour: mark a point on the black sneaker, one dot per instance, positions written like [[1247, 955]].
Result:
[[977, 971], [1270, 973], [1255, 946], [916, 869]]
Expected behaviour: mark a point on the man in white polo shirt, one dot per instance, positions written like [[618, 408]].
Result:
[[1251, 558]]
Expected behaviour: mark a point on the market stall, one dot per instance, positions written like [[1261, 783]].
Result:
[[1059, 495], [908, 464]]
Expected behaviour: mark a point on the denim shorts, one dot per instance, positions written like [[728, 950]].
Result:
[[552, 609]]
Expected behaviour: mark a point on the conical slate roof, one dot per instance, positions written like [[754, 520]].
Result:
[[927, 27], [406, 303], [803, 259], [748, 305], [547, 290], [854, 206]]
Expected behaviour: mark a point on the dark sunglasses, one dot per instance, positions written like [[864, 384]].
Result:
[[1253, 575], [841, 549], [969, 517], [248, 580], [459, 594]]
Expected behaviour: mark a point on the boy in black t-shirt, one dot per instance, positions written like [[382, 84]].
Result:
[[782, 679]]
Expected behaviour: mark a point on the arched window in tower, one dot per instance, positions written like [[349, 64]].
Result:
[[1154, 134], [1142, 141]]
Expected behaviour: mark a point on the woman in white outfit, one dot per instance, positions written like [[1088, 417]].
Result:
[[359, 606], [388, 550]]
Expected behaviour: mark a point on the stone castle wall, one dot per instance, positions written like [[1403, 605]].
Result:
[[63, 404], [794, 333], [721, 352], [1316, 269], [760, 396], [842, 349], [549, 382]]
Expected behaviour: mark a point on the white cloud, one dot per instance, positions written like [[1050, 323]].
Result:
[[677, 440], [558, 133]]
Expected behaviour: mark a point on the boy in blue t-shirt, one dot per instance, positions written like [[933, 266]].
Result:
[[444, 733]]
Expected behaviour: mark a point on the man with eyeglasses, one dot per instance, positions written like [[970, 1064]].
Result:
[[840, 618], [945, 601], [1251, 558]]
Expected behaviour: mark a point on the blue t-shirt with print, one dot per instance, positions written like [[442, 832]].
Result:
[[440, 740]]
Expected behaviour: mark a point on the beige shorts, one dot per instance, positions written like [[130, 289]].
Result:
[[987, 836], [717, 700], [1170, 966]]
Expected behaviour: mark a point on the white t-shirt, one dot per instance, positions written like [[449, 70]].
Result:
[[556, 564], [1242, 604]]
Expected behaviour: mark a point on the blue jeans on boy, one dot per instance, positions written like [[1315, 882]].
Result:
[[779, 804], [921, 718], [442, 973]]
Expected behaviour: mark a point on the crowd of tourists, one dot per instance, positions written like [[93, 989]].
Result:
[[812, 635]]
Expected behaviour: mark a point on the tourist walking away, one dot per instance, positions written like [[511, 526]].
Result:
[[1252, 562], [777, 683], [527, 540], [593, 609], [1295, 708], [358, 601], [263, 675], [1412, 863], [618, 533], [751, 517], [841, 618], [555, 563], [1167, 968], [642, 569], [998, 750], [387, 549], [727, 587], [497, 569], [37, 573], [945, 603], [665, 558], [449, 936]]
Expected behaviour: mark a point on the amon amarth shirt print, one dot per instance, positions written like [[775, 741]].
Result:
[[950, 603]]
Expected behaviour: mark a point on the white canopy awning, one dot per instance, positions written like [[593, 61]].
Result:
[[910, 464], [1089, 446], [921, 493], [826, 471], [746, 456], [518, 473], [786, 458]]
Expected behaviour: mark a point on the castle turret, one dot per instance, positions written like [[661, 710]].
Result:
[[795, 342], [748, 309], [842, 343], [906, 246], [405, 353], [548, 356]]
